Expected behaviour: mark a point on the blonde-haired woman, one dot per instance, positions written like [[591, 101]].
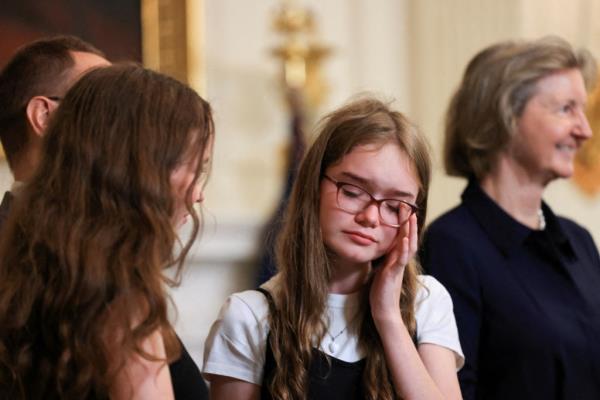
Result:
[[524, 281], [347, 316]]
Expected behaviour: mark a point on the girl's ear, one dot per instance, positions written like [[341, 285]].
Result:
[[38, 112]]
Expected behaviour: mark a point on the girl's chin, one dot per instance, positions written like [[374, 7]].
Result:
[[357, 259], [352, 254]]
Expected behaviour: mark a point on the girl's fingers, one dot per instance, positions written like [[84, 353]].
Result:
[[405, 252], [392, 257], [406, 228], [406, 244], [414, 234]]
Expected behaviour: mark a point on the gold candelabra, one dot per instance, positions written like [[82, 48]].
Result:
[[301, 55]]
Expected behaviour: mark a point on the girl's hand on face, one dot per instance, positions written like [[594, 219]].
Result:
[[387, 282]]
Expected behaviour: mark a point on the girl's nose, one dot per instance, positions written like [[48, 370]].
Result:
[[369, 216]]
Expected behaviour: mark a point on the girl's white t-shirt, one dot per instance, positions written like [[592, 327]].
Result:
[[236, 344]]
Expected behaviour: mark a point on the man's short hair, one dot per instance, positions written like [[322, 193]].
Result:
[[40, 68]]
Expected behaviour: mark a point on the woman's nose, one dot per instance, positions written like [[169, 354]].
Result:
[[582, 128]]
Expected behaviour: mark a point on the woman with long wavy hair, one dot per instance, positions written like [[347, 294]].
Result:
[[347, 316], [83, 299]]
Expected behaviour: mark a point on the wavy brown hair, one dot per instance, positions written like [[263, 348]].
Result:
[[303, 261], [84, 249]]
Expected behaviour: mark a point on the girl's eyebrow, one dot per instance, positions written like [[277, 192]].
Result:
[[369, 185]]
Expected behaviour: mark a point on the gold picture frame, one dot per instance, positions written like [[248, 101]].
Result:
[[172, 39], [587, 162]]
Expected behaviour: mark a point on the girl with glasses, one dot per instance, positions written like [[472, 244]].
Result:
[[347, 316]]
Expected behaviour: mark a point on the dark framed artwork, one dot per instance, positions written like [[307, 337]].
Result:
[[113, 26], [165, 35]]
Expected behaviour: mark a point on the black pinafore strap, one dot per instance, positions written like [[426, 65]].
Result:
[[331, 380]]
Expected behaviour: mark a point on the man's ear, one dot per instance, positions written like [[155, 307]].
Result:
[[38, 113]]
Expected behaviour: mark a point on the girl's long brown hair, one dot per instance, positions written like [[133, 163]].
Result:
[[84, 249], [303, 261]]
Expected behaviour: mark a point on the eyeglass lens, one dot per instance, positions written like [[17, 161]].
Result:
[[354, 199]]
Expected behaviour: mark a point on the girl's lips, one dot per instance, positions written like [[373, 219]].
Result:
[[360, 238]]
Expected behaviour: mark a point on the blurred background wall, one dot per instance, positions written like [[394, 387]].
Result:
[[413, 51]]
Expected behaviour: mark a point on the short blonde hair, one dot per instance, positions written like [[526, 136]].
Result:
[[495, 88]]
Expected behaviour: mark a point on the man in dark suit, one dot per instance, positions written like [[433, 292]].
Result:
[[32, 85]]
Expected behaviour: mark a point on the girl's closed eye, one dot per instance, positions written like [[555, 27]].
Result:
[[393, 206], [351, 191]]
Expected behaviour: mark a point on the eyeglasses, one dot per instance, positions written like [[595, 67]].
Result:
[[353, 199], [54, 98]]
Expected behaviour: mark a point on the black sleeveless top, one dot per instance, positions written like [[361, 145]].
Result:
[[341, 380], [185, 377], [187, 381]]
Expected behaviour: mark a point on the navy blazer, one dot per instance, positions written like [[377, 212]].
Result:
[[527, 302]]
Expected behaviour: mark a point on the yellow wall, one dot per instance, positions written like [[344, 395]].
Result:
[[414, 51]]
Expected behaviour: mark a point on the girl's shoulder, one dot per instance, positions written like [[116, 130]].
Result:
[[435, 317], [430, 288], [236, 343], [247, 309], [433, 303]]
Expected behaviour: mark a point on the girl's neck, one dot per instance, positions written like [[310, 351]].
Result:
[[515, 192], [347, 277]]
